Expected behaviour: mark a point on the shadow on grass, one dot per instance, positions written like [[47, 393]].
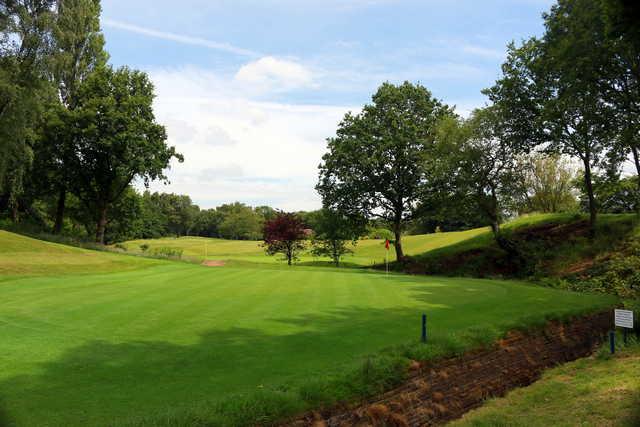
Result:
[[107, 383], [246, 376]]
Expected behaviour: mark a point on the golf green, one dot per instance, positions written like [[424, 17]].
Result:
[[97, 349]]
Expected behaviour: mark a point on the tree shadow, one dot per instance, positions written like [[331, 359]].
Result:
[[99, 382]]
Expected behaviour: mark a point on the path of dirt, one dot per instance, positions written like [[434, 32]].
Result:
[[445, 390], [213, 263]]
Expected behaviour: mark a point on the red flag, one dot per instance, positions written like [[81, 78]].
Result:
[[386, 244]]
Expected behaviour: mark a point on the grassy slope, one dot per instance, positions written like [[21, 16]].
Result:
[[85, 349], [587, 392], [21, 255], [553, 245], [366, 252]]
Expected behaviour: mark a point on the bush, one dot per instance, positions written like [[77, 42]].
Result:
[[165, 252], [120, 246], [144, 247], [380, 233]]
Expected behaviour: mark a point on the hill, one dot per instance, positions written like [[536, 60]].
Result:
[[21, 255]]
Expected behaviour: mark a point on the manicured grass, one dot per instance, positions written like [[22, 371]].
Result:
[[20, 255], [366, 252], [588, 392], [99, 349]]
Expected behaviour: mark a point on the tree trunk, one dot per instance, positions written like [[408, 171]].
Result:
[[398, 242], [636, 161], [102, 225], [62, 198], [592, 201], [495, 227]]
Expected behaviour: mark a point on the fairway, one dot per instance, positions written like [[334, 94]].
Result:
[[365, 253], [96, 349]]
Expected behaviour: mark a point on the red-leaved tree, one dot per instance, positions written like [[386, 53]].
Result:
[[284, 234]]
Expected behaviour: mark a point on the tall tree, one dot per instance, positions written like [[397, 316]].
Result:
[[375, 164], [622, 75], [485, 167], [25, 29], [116, 139], [78, 49], [551, 95]]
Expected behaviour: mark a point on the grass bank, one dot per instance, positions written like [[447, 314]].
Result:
[[596, 391]]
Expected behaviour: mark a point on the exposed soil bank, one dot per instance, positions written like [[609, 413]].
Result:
[[444, 390]]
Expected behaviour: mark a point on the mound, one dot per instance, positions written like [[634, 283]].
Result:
[[20, 255]]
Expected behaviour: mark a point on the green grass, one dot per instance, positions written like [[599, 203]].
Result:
[[169, 342], [545, 254], [366, 252], [21, 255], [597, 391]]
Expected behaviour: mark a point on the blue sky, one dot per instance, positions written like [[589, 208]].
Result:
[[250, 90]]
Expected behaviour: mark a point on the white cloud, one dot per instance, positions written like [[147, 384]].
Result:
[[484, 52], [273, 74], [179, 38], [237, 148]]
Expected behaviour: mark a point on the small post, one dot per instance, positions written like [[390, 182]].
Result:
[[612, 341], [624, 336], [424, 327]]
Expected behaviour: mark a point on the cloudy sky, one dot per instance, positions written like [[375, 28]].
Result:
[[249, 90]]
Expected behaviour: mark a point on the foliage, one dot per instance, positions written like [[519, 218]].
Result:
[[284, 234], [379, 233], [374, 167], [25, 29], [614, 194], [116, 139], [164, 252], [239, 222], [333, 231], [548, 184], [550, 93]]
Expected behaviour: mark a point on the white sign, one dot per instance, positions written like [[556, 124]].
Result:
[[624, 318]]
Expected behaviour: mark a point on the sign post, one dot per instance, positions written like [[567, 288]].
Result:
[[622, 319]]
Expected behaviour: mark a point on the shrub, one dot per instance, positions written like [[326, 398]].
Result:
[[165, 252], [144, 247], [120, 246]]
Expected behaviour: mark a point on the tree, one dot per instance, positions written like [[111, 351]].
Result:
[[551, 90], [548, 183], [25, 28], [284, 234], [239, 222], [116, 139], [374, 166], [614, 194], [488, 171], [622, 75], [78, 49], [332, 231]]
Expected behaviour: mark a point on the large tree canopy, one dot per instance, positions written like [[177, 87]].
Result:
[[25, 28], [551, 93], [375, 164], [115, 137]]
